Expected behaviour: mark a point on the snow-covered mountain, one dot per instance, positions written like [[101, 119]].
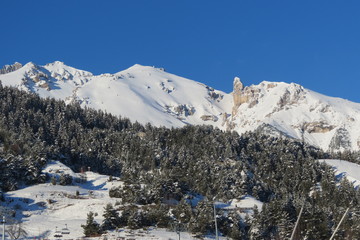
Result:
[[148, 94], [144, 94], [327, 122]]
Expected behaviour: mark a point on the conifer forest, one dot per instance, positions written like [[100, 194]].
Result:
[[164, 169]]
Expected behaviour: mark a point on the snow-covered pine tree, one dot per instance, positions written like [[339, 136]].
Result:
[[111, 218], [91, 228]]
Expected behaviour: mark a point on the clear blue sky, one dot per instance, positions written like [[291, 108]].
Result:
[[313, 43]]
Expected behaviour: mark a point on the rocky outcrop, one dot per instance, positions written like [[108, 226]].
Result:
[[271, 85], [317, 127], [213, 94], [243, 95], [340, 140], [182, 110], [185, 110], [45, 85], [167, 87], [237, 92], [271, 131], [291, 97], [227, 122], [10, 68], [209, 118], [63, 76], [38, 77]]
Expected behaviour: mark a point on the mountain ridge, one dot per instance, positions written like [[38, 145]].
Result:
[[148, 94]]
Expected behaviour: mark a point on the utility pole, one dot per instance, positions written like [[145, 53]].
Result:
[[216, 229], [297, 222], [342, 219], [3, 232]]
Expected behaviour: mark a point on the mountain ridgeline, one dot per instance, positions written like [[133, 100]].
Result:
[[160, 164], [151, 95]]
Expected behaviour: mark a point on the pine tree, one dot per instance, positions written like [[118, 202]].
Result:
[[91, 228], [203, 219], [183, 212], [111, 218]]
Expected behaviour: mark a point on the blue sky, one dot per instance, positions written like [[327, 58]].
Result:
[[313, 43]]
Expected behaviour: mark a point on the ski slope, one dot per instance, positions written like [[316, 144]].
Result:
[[46, 208]]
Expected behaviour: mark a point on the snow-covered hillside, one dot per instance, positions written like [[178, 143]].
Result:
[[141, 93], [46, 209], [148, 94], [349, 170]]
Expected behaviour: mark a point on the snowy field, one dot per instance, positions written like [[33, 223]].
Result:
[[46, 208]]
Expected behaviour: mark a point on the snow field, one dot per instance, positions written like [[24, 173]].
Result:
[[45, 208]]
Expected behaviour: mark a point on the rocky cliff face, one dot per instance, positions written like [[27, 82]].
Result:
[[317, 127], [243, 95], [238, 92]]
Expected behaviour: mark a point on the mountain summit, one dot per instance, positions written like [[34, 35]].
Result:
[[326, 122], [148, 94]]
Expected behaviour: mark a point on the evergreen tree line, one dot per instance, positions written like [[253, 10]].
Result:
[[163, 166]]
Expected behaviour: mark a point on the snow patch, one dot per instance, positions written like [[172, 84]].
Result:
[[345, 169]]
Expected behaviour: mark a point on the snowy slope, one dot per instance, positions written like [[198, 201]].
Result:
[[143, 94], [323, 121], [148, 94], [345, 169], [46, 208], [52, 80]]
